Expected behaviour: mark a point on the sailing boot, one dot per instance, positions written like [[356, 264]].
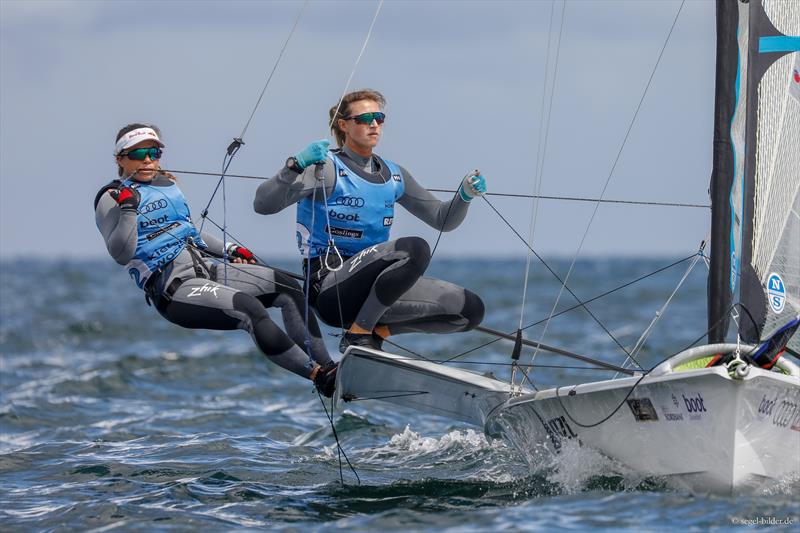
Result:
[[367, 340]]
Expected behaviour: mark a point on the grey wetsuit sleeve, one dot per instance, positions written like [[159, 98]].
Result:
[[118, 227], [288, 187], [444, 216], [215, 245]]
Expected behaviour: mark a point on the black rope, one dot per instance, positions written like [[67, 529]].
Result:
[[340, 451]]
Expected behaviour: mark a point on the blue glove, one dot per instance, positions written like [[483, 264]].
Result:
[[315, 152], [472, 185]]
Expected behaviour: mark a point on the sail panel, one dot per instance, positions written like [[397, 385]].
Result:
[[784, 16], [770, 216], [776, 220]]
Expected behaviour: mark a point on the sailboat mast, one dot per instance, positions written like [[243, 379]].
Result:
[[725, 103]]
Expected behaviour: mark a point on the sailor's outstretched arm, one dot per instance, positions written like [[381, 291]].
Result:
[[442, 215]]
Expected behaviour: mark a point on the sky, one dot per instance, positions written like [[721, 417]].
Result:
[[466, 84]]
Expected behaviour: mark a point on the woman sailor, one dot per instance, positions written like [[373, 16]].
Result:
[[360, 279], [146, 224]]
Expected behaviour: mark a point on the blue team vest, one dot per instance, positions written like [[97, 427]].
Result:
[[360, 213], [164, 225]]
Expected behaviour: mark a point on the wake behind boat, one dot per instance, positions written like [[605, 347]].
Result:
[[720, 417]]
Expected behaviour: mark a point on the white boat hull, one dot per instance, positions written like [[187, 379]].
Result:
[[700, 429]]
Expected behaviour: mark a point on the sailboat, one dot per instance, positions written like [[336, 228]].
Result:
[[722, 417]]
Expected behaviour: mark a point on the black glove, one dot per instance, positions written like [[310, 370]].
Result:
[[325, 380], [234, 250], [126, 197]]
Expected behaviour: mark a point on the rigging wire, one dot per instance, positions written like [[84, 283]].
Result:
[[499, 194], [274, 68], [563, 283], [613, 168], [638, 346], [237, 143], [564, 311], [541, 150], [567, 310]]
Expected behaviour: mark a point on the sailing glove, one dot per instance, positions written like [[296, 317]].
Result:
[[472, 185], [126, 198], [325, 379], [240, 252], [315, 152]]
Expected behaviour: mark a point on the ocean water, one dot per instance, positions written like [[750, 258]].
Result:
[[113, 419]]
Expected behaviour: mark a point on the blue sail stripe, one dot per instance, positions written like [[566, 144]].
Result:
[[779, 43]]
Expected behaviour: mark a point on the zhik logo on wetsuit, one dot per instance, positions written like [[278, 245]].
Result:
[[207, 287], [360, 257]]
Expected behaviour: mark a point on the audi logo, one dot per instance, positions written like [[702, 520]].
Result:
[[153, 206], [350, 201]]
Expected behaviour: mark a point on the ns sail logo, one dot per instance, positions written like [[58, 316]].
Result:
[[776, 292]]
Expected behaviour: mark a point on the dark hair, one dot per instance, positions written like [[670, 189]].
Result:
[[342, 109], [129, 128]]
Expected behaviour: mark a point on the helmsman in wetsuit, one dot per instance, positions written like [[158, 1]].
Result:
[[360, 279], [146, 224]]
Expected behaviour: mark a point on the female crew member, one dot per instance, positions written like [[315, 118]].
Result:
[[379, 289], [145, 221]]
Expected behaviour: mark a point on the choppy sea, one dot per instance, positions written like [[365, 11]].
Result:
[[113, 419]]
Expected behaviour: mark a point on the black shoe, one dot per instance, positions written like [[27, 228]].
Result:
[[325, 380], [367, 340]]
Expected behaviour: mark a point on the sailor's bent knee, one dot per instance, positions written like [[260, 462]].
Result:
[[473, 309], [418, 250]]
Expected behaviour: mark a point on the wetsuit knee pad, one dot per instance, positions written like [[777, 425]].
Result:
[[473, 309], [418, 250]]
